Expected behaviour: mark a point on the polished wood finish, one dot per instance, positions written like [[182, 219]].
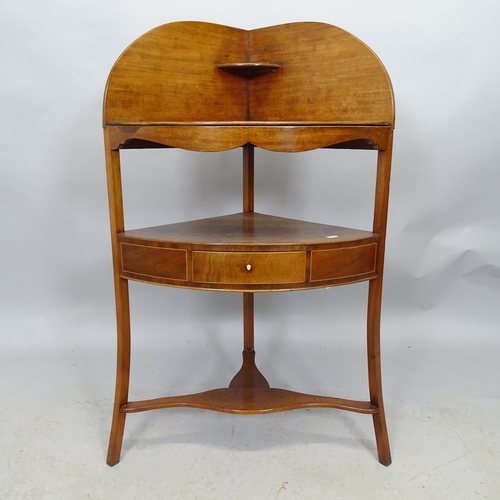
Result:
[[343, 263], [249, 231], [284, 254], [154, 262], [248, 177], [252, 268], [285, 137], [213, 253], [325, 75], [117, 223], [289, 88], [248, 297]]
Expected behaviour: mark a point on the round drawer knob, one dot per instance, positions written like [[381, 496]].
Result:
[[249, 267]]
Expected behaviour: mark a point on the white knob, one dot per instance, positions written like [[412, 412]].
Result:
[[249, 267]]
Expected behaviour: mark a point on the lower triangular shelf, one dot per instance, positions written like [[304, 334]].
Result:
[[248, 393], [248, 400]]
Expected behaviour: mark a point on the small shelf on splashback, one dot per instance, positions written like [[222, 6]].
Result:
[[248, 69]]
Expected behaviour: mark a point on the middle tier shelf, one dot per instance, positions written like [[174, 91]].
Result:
[[248, 252]]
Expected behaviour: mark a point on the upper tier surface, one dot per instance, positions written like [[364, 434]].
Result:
[[250, 230]]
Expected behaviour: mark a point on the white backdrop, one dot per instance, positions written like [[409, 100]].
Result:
[[443, 254], [442, 285]]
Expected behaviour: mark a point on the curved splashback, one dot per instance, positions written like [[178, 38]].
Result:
[[318, 74]]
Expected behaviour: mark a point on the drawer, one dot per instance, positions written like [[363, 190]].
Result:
[[153, 262], [249, 267], [349, 262]]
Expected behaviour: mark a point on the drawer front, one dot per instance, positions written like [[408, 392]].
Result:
[[350, 262], [153, 262], [249, 267]]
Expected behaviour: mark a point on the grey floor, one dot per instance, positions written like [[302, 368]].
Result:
[[443, 409]]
